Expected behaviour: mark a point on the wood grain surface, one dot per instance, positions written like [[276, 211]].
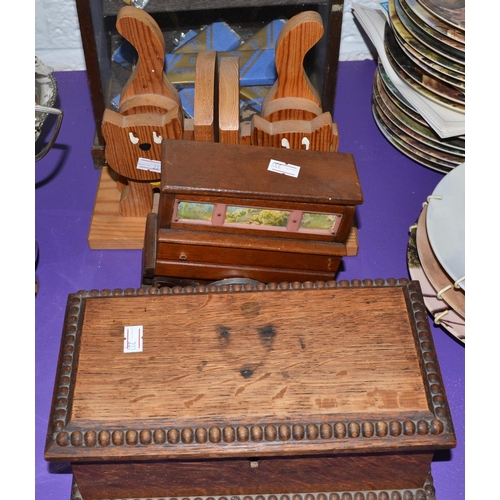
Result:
[[205, 88], [291, 114], [250, 371], [149, 111], [296, 38], [264, 476], [232, 175], [229, 100], [148, 77], [249, 357], [230, 170], [108, 229], [315, 135]]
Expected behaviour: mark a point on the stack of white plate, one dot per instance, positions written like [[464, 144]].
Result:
[[436, 252], [424, 43]]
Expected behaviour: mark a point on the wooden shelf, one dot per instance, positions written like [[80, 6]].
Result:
[[111, 7]]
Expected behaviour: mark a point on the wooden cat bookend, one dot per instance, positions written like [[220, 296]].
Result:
[[229, 100], [150, 110], [291, 113], [216, 99], [205, 97]]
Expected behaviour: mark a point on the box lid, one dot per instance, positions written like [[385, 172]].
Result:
[[248, 370], [233, 170]]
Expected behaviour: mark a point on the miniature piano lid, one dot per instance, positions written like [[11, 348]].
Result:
[[232, 170], [248, 370]]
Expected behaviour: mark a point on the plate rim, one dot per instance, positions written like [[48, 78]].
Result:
[[436, 232], [422, 277]]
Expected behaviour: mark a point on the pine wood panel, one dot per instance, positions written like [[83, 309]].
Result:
[[229, 100], [94, 30], [205, 88], [298, 36], [108, 229], [319, 133], [142, 31], [150, 110]]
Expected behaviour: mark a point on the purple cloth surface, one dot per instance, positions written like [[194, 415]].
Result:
[[394, 188]]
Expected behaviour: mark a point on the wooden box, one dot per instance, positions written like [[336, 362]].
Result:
[[331, 388], [224, 213]]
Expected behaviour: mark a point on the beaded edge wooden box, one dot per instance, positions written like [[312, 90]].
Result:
[[319, 389]]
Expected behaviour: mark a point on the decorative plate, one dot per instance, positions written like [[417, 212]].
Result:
[[413, 128], [433, 33], [426, 149], [435, 22], [425, 50], [400, 101], [454, 297], [445, 50], [419, 80], [438, 309], [446, 224], [450, 11], [436, 70], [403, 147]]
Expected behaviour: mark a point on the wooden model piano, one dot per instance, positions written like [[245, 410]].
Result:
[[260, 213]]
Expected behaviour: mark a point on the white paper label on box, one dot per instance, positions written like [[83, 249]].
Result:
[[281, 167], [151, 165], [132, 338]]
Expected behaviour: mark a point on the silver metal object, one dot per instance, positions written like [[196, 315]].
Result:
[[235, 281], [140, 3], [45, 98]]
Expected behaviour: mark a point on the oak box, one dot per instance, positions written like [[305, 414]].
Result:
[[326, 388]]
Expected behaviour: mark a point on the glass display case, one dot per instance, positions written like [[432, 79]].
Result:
[[109, 61]]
